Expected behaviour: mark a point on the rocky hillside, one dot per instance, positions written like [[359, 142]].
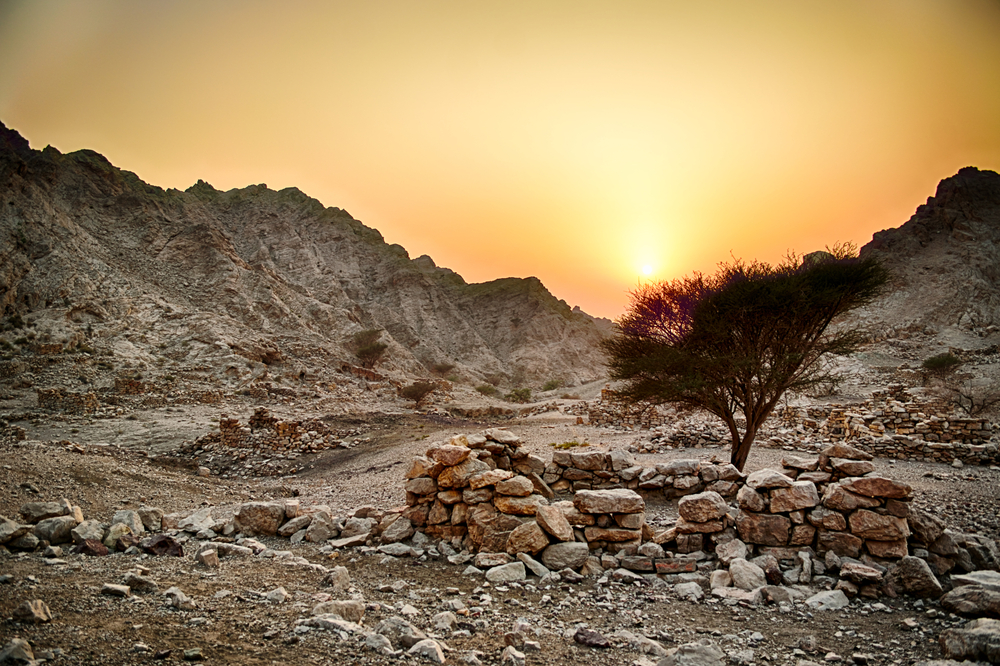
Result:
[[254, 282], [946, 261]]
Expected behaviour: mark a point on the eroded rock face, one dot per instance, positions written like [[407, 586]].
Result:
[[276, 273]]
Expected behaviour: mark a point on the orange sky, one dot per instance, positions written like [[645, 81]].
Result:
[[575, 141]]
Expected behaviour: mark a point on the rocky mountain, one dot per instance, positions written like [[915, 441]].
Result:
[[255, 283], [946, 263]]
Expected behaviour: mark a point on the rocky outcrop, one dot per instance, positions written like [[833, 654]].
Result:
[[257, 281]]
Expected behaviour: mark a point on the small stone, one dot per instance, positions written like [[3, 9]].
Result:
[[193, 654], [428, 649], [277, 595], [33, 612]]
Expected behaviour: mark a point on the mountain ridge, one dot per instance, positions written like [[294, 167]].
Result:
[[274, 276]]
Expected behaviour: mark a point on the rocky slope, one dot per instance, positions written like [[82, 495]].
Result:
[[254, 282], [946, 261]]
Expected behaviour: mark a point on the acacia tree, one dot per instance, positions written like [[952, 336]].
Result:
[[737, 340]]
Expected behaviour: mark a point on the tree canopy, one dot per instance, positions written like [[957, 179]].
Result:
[[737, 340]]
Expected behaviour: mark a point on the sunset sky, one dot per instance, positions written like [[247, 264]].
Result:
[[575, 141]]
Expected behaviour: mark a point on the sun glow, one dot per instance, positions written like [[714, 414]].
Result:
[[647, 270]]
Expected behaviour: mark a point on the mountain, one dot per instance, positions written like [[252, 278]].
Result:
[[255, 282], [945, 261]]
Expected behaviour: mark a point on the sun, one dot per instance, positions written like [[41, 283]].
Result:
[[647, 270]]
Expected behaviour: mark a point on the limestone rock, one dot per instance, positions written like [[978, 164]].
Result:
[[259, 518], [768, 478], [56, 530], [528, 538], [972, 601], [506, 573], [565, 555], [979, 640], [828, 600], [449, 455], [553, 521], [701, 653], [912, 575], [130, 518], [877, 486], [518, 506], [33, 612], [870, 525], [618, 500], [459, 475], [746, 575], [763, 529], [702, 507], [800, 495], [35, 512], [517, 486]]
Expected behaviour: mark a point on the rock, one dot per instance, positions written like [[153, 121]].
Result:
[[750, 500], [489, 478], [926, 527], [141, 584], [859, 573], [887, 550], [517, 486], [828, 600], [10, 530], [565, 555], [719, 578], [321, 528], [56, 530], [553, 521], [422, 485], [768, 478], [259, 518], [115, 532], [702, 507], [113, 590], [197, 521], [746, 575], [912, 575], [35, 512], [618, 500], [877, 486], [208, 557], [518, 506], [378, 643], [731, 550], [397, 550], [987, 579], [350, 610], [459, 475], [839, 498], [528, 538], [506, 573], [400, 633], [18, 651], [972, 601], [690, 591], [339, 578], [449, 455], [591, 638], [846, 467], [702, 653], [294, 525], [399, 530], [870, 525], [511, 656], [151, 517], [979, 640], [179, 600], [763, 529], [611, 534], [193, 654], [33, 612], [841, 543], [130, 518], [162, 544], [800, 495], [91, 547], [88, 529], [534, 565]]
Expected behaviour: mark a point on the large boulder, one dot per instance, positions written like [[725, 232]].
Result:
[[913, 576], [56, 530], [259, 518], [35, 512]]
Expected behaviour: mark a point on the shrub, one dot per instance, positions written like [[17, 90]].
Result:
[[417, 392], [367, 348], [488, 390], [941, 362], [568, 445], [519, 395], [442, 369], [552, 385]]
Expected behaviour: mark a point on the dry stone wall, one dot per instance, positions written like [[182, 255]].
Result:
[[60, 400]]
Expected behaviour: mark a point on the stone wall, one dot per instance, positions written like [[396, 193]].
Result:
[[59, 400], [12, 368], [265, 432]]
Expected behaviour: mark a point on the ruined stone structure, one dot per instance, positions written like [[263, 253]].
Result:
[[60, 400]]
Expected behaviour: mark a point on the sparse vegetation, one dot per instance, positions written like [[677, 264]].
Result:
[[442, 369], [941, 363], [568, 445], [521, 395], [972, 399], [417, 392], [552, 385], [367, 348], [570, 396], [488, 390]]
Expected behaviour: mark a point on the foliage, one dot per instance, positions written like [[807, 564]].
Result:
[[488, 390], [367, 348], [570, 396], [519, 395], [941, 362], [568, 445], [417, 392], [971, 399], [442, 369], [737, 340], [552, 385]]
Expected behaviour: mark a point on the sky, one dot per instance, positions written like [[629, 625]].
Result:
[[593, 145]]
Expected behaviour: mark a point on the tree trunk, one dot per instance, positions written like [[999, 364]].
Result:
[[741, 450]]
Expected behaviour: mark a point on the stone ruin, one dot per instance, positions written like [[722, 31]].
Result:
[[70, 402]]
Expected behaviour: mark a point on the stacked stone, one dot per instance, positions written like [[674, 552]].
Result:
[[704, 520], [130, 386], [586, 470], [12, 368], [57, 399], [264, 432]]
